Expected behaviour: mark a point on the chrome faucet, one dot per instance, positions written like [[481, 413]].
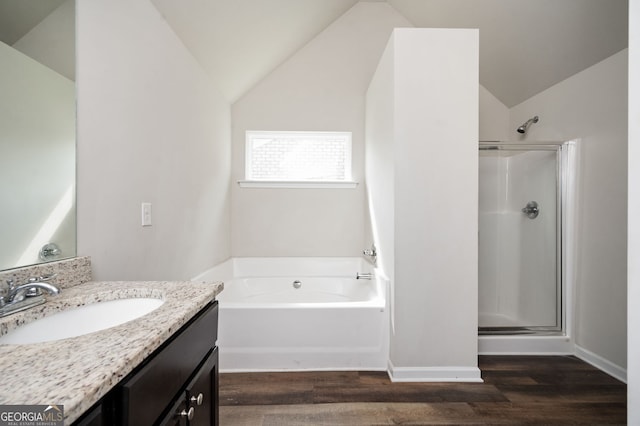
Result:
[[23, 296], [30, 289]]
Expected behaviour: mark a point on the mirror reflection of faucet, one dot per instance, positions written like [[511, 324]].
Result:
[[49, 251]]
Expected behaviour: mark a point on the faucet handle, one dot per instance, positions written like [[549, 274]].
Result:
[[6, 289], [41, 278], [47, 277]]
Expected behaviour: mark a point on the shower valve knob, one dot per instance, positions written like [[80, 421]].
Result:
[[371, 253], [531, 210]]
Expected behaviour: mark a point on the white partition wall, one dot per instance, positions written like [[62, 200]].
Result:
[[422, 184]]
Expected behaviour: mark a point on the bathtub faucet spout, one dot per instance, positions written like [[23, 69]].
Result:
[[365, 276]]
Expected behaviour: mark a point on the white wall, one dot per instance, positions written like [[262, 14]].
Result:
[[436, 228], [592, 105], [633, 255], [380, 161], [322, 88], [430, 133], [494, 118], [297, 96], [151, 127], [52, 42], [37, 118]]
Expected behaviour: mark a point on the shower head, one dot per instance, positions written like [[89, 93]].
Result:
[[523, 128]]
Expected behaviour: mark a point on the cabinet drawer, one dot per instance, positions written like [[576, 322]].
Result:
[[150, 390]]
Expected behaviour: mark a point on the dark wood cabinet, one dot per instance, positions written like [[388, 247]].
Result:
[[176, 385], [92, 417], [202, 393], [179, 418], [198, 406]]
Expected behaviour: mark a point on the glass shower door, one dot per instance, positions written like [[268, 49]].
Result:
[[519, 239]]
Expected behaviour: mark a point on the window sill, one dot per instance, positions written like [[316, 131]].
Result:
[[296, 184]]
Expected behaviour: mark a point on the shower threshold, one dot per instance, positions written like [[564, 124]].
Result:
[[510, 331]]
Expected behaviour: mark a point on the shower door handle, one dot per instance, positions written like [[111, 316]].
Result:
[[531, 210]]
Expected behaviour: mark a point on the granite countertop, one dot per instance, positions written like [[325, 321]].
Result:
[[78, 371]]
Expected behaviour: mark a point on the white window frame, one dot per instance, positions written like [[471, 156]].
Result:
[[287, 183]]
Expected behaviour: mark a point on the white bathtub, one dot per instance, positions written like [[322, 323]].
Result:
[[327, 320]]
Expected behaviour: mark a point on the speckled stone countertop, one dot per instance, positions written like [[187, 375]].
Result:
[[78, 371]]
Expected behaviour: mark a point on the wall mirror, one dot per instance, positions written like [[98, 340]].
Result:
[[37, 132]]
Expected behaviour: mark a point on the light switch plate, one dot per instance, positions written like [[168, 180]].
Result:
[[146, 214]]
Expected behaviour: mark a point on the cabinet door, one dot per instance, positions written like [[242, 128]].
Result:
[[177, 415], [91, 418], [202, 392], [145, 395]]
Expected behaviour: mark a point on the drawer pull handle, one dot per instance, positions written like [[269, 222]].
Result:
[[198, 400], [188, 414]]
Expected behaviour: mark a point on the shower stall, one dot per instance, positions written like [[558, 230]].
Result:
[[525, 193]]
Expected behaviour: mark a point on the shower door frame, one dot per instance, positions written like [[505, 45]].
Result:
[[560, 149]]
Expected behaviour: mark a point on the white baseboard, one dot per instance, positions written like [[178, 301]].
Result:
[[601, 363], [525, 345], [433, 374]]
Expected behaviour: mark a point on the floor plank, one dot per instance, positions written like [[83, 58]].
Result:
[[528, 390]]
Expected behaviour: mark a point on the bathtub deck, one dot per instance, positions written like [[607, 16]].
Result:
[[517, 390]]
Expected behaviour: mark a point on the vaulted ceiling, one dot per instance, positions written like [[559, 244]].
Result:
[[240, 41], [18, 17], [526, 46]]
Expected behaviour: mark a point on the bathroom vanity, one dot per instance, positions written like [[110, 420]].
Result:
[[160, 368], [176, 385]]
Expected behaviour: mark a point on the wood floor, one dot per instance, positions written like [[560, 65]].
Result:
[[517, 390]]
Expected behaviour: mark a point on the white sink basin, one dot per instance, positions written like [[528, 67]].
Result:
[[82, 320]]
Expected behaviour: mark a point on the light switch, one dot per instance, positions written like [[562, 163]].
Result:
[[146, 214]]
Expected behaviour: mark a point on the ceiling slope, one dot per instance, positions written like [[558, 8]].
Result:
[[526, 46], [239, 42], [18, 17]]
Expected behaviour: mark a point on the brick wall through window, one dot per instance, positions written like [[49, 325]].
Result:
[[298, 156]]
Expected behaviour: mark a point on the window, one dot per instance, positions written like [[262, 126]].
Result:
[[298, 159]]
